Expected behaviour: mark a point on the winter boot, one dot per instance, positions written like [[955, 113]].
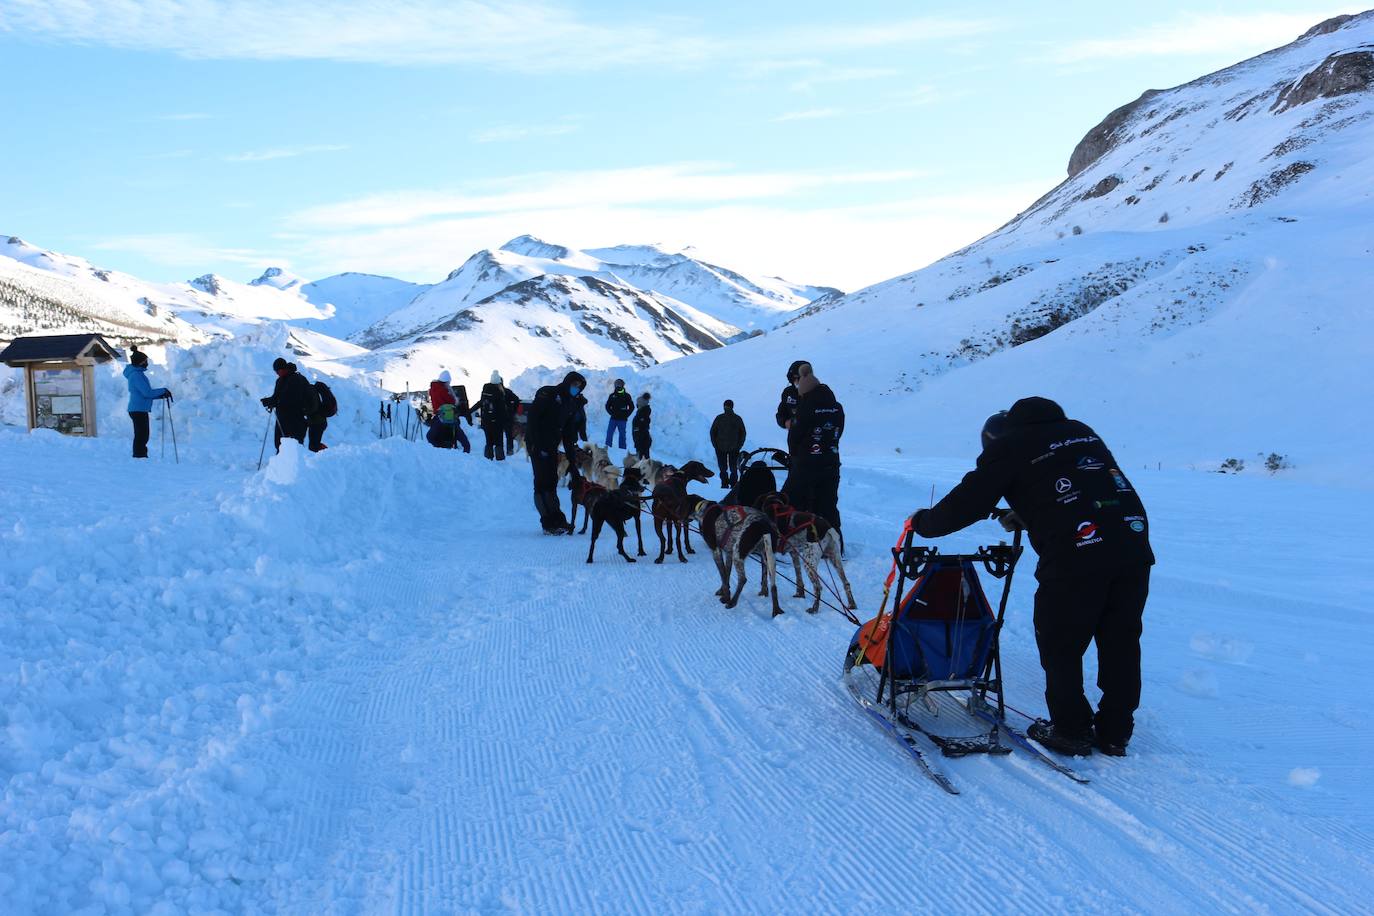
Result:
[[1109, 747], [1059, 742]]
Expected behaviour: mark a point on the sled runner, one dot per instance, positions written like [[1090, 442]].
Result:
[[932, 668], [774, 458]]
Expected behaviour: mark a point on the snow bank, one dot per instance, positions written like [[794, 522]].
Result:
[[149, 646]]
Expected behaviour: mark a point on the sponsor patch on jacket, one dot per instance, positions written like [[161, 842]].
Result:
[[1089, 463], [1087, 534], [1137, 523], [1081, 440], [1119, 479]]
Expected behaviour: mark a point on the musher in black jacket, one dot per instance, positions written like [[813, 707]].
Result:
[[494, 415], [727, 438], [619, 406], [552, 422], [639, 426], [813, 449], [1089, 528], [787, 401]]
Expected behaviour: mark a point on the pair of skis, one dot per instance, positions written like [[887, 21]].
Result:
[[906, 731]]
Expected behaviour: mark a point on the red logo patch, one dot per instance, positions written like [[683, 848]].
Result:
[[1086, 530]]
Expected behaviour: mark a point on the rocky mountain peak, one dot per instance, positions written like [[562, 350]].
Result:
[[532, 247]]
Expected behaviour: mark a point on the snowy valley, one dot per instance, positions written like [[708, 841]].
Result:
[[363, 681]]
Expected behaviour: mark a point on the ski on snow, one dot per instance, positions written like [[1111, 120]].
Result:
[[905, 737], [1021, 740]]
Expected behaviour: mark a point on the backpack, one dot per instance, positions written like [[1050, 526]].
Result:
[[447, 414], [489, 409], [329, 405]]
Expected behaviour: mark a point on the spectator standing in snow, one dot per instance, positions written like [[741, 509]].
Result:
[[1088, 526], [450, 406], [295, 401], [495, 418], [553, 422], [813, 448], [727, 438], [640, 425], [787, 401], [141, 398], [619, 406]]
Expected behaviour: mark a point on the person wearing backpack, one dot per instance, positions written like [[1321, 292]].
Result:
[[640, 425], [813, 449], [619, 406], [450, 405], [494, 414], [141, 398], [294, 399], [513, 412], [318, 422]]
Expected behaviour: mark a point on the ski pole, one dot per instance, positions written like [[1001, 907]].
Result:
[[162, 430], [172, 422], [263, 451]]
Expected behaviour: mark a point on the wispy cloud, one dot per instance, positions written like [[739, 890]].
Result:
[[504, 133], [183, 116], [1196, 34], [283, 152], [661, 185], [827, 75], [525, 35], [180, 250]]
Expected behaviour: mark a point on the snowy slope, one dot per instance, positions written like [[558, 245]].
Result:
[[1237, 327], [359, 300], [210, 305], [547, 320], [342, 686], [726, 296]]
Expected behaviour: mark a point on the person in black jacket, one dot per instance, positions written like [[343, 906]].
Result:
[[494, 414], [787, 401], [813, 449], [619, 406], [294, 400], [640, 425], [513, 413], [727, 438], [1089, 528], [553, 422]]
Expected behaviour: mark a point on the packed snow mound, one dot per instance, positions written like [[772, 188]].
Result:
[[44, 291], [1235, 328], [547, 320]]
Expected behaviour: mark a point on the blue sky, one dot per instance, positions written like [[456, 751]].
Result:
[[828, 143]]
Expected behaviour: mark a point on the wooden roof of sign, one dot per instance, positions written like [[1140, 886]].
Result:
[[85, 348]]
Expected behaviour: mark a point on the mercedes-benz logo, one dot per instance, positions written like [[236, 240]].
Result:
[[1063, 485]]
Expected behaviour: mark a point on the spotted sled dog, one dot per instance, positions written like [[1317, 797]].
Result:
[[734, 533], [808, 539]]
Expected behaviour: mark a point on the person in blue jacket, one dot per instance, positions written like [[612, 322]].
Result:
[[141, 398]]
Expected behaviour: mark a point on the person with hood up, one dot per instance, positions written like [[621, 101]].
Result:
[[813, 448], [1088, 526], [640, 425], [787, 401], [513, 412], [141, 398], [494, 413], [727, 438], [553, 422], [619, 406], [295, 401], [450, 405]]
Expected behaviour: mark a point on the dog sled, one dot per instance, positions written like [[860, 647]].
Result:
[[930, 672], [775, 459]]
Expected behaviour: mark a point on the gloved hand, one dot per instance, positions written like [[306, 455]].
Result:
[[266, 403], [1010, 521], [911, 519], [167, 395]]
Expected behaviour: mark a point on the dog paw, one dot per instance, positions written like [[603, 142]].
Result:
[[682, 559], [629, 559], [814, 610], [659, 561]]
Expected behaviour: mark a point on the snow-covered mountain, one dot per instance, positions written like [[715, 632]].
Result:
[[725, 295], [46, 291], [545, 320], [1196, 287], [359, 300]]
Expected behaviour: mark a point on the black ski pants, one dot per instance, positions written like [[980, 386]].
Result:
[[642, 442], [316, 433], [1070, 613], [494, 449], [546, 491], [729, 465], [141, 432], [814, 488]]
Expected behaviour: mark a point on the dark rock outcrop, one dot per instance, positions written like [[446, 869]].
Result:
[[1339, 74], [1327, 27], [1102, 138]]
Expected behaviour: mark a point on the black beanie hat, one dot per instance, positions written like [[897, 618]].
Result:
[[729, 405], [792, 372], [279, 364], [138, 357]]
